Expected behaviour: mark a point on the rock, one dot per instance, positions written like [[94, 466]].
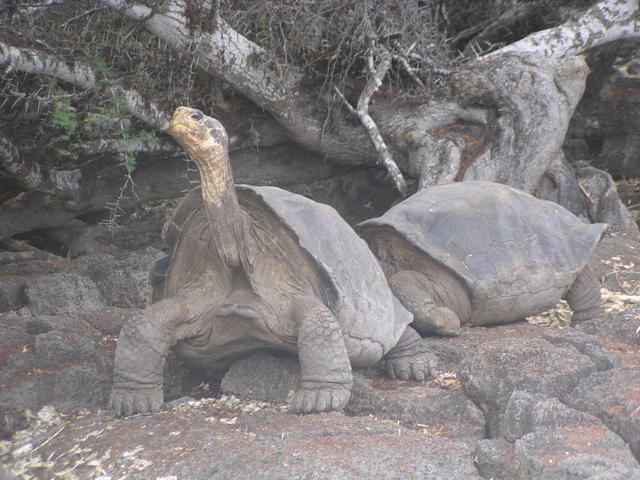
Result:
[[559, 184], [11, 295], [123, 280], [59, 360], [80, 386], [499, 367], [109, 320], [573, 453], [62, 293], [54, 348], [443, 411], [554, 441], [585, 344], [604, 203], [494, 458], [199, 442], [620, 155], [613, 397], [272, 378], [621, 326], [262, 376]]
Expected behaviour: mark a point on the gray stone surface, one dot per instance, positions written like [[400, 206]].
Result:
[[11, 295], [262, 376], [499, 367], [555, 403], [199, 442], [123, 280], [614, 397], [62, 293]]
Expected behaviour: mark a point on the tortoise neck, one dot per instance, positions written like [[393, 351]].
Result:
[[226, 219]]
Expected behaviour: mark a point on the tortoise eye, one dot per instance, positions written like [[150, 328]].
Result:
[[196, 116]]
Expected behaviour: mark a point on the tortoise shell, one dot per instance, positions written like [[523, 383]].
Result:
[[518, 255], [352, 283]]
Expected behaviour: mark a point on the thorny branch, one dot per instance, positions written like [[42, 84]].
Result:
[[79, 74]]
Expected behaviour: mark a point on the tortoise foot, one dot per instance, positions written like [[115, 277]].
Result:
[[127, 401], [583, 315], [319, 397], [412, 367]]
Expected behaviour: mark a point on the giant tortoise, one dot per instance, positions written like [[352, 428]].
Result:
[[256, 268], [481, 253]]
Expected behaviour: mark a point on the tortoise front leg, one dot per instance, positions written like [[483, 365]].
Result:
[[143, 346], [326, 371], [410, 358], [421, 296]]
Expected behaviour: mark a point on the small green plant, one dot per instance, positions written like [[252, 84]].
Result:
[[64, 118], [113, 115]]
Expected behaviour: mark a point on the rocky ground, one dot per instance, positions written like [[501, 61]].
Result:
[[529, 400]]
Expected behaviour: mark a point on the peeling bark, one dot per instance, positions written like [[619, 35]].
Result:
[[27, 174], [605, 22], [37, 62], [505, 121]]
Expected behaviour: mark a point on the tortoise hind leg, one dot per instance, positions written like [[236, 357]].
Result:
[[326, 372], [584, 296], [428, 303]]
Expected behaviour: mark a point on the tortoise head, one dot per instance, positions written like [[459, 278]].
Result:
[[198, 134], [205, 141]]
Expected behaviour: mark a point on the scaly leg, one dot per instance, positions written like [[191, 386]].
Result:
[[326, 371], [416, 293], [410, 359], [143, 346], [584, 296]]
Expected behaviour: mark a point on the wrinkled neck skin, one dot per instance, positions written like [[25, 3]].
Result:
[[227, 222]]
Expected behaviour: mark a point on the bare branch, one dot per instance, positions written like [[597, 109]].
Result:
[[249, 69], [605, 22], [362, 111], [41, 63], [79, 74], [111, 145]]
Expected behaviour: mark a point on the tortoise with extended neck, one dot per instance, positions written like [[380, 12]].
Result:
[[480, 253], [254, 268]]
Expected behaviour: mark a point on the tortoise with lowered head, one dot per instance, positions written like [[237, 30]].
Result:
[[481, 253], [260, 268]]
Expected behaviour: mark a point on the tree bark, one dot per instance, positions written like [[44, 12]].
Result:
[[76, 73], [605, 22], [505, 120]]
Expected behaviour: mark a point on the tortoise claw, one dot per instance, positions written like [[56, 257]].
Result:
[[322, 399], [126, 402]]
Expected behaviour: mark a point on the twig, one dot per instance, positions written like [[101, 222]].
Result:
[[31, 6], [81, 16], [362, 112], [50, 438], [115, 210]]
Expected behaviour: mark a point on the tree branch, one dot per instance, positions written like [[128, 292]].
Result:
[[27, 174], [82, 75], [247, 67], [605, 22], [41, 63], [362, 112]]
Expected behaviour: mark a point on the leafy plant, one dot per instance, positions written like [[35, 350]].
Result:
[[65, 118]]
